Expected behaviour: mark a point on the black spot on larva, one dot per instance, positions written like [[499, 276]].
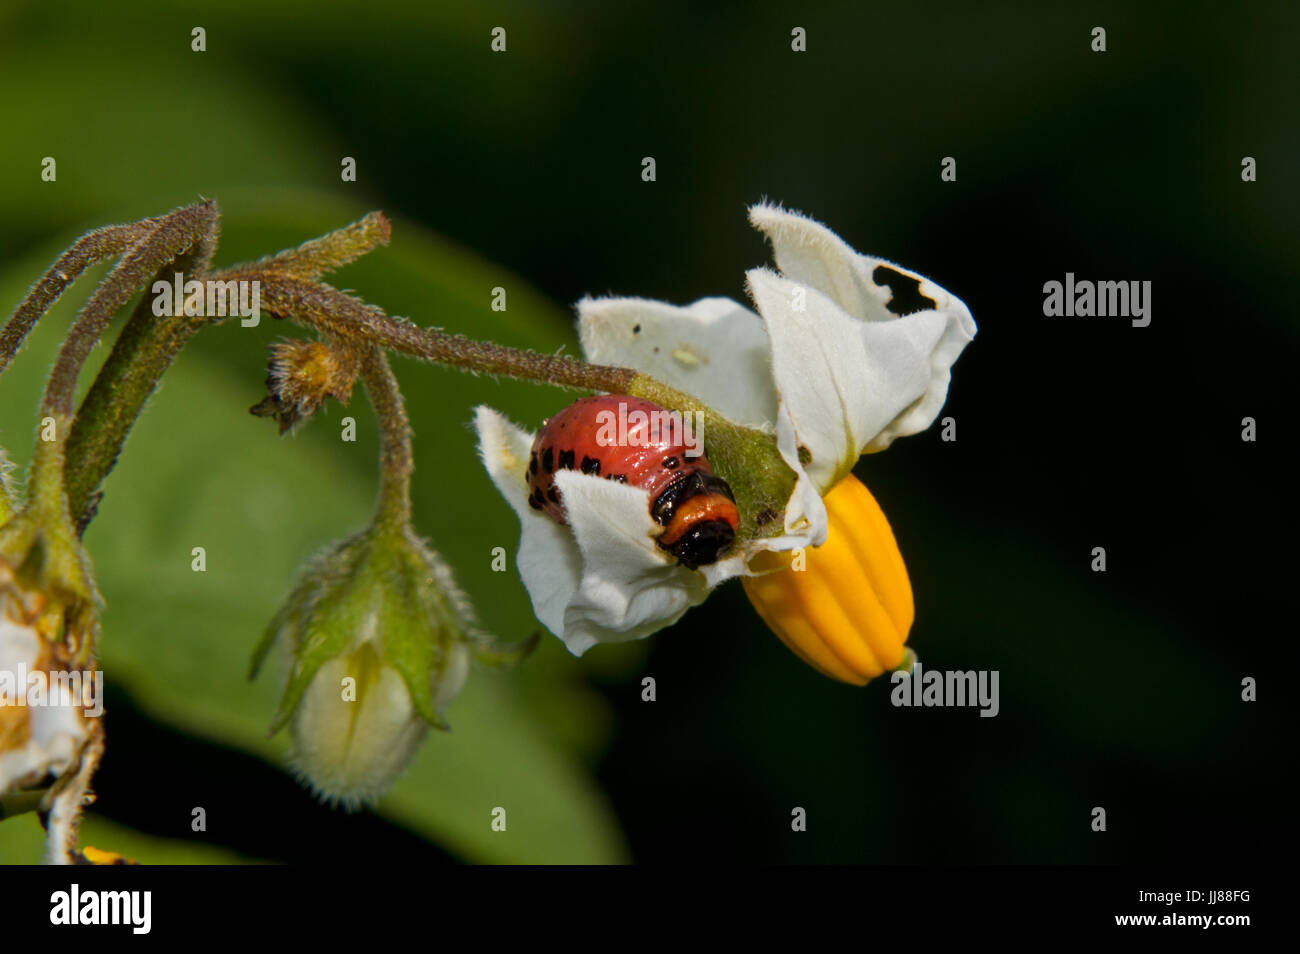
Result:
[[636, 329], [548, 461], [671, 463], [551, 494], [591, 466], [534, 503], [905, 292], [765, 516], [527, 476], [566, 460], [805, 455], [621, 478], [532, 462]]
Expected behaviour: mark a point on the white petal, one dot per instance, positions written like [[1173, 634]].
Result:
[[808, 252], [630, 587], [806, 520], [550, 564], [713, 349], [939, 337], [848, 384], [504, 449]]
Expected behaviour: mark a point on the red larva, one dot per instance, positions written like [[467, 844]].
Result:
[[693, 505]]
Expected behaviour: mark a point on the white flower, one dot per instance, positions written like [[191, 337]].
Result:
[[824, 365]]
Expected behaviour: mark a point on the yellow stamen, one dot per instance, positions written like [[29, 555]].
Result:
[[848, 611]]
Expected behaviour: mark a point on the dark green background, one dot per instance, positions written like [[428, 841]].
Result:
[[1119, 690]]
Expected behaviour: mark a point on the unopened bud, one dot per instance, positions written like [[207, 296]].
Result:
[[378, 639]]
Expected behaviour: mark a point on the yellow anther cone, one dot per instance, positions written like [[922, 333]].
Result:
[[848, 611]]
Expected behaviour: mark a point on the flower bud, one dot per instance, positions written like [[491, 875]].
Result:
[[378, 640], [845, 607]]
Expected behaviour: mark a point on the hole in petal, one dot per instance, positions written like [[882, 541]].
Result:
[[904, 290]]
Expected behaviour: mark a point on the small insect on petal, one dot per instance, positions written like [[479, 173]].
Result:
[[634, 441], [848, 611]]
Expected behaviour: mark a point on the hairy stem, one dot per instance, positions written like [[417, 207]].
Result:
[[170, 236], [314, 258], [97, 246], [395, 458], [144, 350], [345, 318]]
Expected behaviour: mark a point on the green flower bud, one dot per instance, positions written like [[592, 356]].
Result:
[[378, 640]]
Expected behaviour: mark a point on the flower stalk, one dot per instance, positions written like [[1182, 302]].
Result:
[[395, 459]]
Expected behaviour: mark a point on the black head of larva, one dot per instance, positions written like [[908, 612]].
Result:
[[701, 544], [686, 485]]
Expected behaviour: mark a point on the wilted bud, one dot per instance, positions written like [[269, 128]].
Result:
[[51, 731], [848, 611], [301, 375], [379, 640], [49, 705]]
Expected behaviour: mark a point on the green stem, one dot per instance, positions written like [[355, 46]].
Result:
[[143, 351], [395, 458], [92, 248], [343, 317], [171, 235]]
